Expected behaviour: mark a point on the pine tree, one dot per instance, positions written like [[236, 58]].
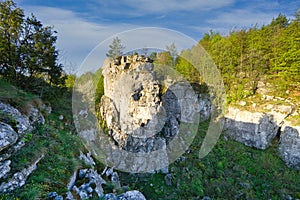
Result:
[[116, 48]]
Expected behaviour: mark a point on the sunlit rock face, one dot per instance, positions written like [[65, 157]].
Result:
[[253, 129], [132, 106], [142, 113]]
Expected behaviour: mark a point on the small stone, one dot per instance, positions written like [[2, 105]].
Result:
[[52, 195], [61, 117], [168, 179], [82, 173], [242, 103]]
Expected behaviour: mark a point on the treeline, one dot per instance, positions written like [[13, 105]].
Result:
[[28, 55], [270, 54]]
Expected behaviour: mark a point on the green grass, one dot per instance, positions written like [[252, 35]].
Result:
[[13, 95], [61, 150], [54, 139], [230, 171]]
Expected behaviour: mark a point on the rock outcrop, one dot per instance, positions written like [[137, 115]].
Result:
[[289, 146], [88, 183], [14, 126], [19, 178], [140, 116], [253, 129], [8, 136], [258, 129]]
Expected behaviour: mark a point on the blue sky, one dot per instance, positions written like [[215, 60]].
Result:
[[83, 24]]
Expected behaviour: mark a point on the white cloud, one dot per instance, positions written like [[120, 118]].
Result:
[[76, 36], [242, 18], [165, 6]]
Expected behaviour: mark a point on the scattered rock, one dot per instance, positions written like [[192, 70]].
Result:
[[54, 196], [19, 178], [88, 160], [131, 195], [115, 180]]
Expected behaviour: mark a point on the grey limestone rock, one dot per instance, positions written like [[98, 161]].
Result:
[[253, 129], [8, 136], [289, 146]]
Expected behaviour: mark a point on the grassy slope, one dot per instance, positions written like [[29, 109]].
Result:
[[54, 139], [230, 171]]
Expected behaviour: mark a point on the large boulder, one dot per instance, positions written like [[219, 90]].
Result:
[[254, 129], [23, 123], [289, 146]]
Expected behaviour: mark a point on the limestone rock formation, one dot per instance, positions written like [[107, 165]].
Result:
[[252, 129], [87, 183], [13, 128], [8, 136], [22, 121], [289, 146], [19, 178], [140, 116]]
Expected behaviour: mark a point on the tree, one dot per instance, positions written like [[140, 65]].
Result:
[[172, 50], [297, 15], [27, 48], [11, 20], [116, 48]]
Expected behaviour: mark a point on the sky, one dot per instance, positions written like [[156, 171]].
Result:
[[84, 24]]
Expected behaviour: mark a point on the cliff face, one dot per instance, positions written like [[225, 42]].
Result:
[[132, 104], [142, 113]]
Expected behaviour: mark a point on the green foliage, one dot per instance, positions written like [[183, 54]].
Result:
[[116, 48], [70, 80], [55, 169], [27, 48], [231, 171], [245, 57]]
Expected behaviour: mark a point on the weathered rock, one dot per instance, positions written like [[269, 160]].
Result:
[[88, 160], [34, 115], [19, 178], [252, 129], [8, 136], [54, 196], [11, 150], [141, 118], [115, 180], [69, 196], [204, 107], [168, 179], [23, 122], [289, 146], [93, 178], [4, 168], [131, 195]]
